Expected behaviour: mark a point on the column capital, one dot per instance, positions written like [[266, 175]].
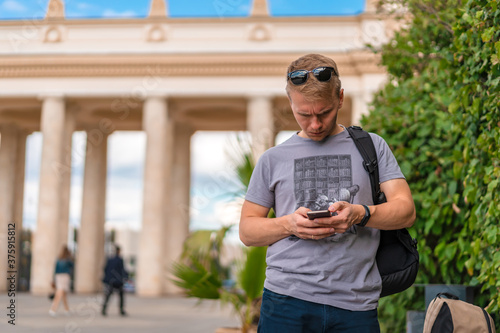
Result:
[[45, 96], [8, 127], [264, 95], [156, 95], [105, 127], [15, 127]]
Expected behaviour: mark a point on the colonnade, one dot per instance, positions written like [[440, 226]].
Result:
[[217, 75], [165, 220]]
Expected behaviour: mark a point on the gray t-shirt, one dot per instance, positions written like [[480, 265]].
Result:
[[339, 270]]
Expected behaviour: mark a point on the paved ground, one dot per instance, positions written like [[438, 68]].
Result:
[[145, 315]]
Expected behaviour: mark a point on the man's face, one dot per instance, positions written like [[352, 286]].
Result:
[[316, 119]]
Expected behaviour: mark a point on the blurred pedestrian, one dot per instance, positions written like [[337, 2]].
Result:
[[62, 279], [115, 276]]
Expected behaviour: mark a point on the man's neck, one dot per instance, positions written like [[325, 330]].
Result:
[[338, 129]]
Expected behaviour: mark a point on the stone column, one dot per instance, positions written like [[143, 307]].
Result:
[[90, 254], [359, 107], [19, 192], [260, 123], [69, 126], [55, 166], [177, 226], [150, 264], [12, 160]]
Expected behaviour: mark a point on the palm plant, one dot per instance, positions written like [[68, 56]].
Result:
[[246, 294], [202, 276], [200, 272]]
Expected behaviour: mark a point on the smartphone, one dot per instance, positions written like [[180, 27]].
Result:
[[319, 213]]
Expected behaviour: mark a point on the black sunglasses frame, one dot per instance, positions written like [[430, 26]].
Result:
[[303, 74]]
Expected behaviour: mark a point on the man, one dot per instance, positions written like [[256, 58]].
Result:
[[114, 277], [321, 274]]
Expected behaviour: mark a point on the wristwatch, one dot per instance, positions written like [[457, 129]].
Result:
[[365, 219]]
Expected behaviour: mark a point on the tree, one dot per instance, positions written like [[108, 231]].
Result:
[[439, 113], [476, 108]]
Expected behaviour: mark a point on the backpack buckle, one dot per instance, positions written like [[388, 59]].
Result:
[[370, 167]]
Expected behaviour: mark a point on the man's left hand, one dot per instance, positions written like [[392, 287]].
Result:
[[347, 215]]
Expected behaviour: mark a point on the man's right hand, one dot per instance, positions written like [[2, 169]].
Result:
[[256, 229], [300, 226]]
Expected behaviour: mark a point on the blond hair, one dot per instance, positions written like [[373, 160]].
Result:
[[312, 89]]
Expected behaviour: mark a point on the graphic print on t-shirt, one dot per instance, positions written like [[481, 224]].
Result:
[[319, 181]]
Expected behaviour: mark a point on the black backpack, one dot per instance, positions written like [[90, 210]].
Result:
[[397, 255]]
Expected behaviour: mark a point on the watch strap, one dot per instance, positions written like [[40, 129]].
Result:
[[367, 216]]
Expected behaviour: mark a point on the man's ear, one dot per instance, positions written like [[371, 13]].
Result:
[[341, 98], [289, 98]]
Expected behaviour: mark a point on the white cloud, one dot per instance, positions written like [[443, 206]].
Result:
[[229, 212], [207, 151], [30, 203], [78, 151], [124, 202], [85, 6], [75, 203], [13, 6], [126, 149], [33, 155], [113, 13], [212, 152]]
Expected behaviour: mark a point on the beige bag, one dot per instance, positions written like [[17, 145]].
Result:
[[451, 315]]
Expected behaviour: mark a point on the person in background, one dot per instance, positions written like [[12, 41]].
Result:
[[62, 277], [114, 277]]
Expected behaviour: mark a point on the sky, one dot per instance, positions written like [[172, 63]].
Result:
[[35, 9], [213, 181]]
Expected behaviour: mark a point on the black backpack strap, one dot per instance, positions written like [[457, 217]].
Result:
[[367, 150]]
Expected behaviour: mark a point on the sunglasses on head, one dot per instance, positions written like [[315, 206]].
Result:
[[322, 74]]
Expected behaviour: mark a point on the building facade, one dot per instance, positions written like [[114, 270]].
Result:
[[168, 77]]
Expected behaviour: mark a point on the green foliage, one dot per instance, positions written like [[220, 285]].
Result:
[[197, 280], [440, 115], [204, 244], [253, 273], [200, 272], [201, 275], [420, 43], [241, 155], [477, 111], [248, 292], [393, 308]]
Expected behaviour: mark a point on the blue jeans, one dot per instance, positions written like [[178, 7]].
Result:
[[280, 313]]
